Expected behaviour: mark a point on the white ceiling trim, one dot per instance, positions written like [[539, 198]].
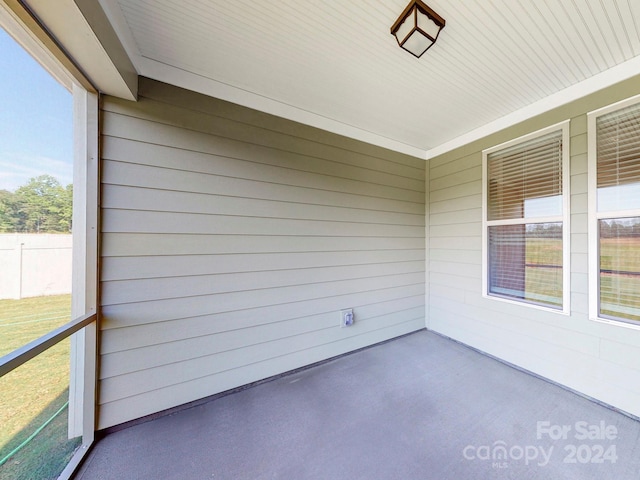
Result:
[[621, 32], [94, 54], [599, 81], [13, 25], [113, 12], [207, 86]]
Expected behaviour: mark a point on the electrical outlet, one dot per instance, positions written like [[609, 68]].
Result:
[[346, 318]]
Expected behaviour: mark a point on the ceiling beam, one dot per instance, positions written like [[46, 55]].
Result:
[[83, 30]]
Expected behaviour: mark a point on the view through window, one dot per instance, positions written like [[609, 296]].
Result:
[[525, 224], [36, 172], [617, 210]]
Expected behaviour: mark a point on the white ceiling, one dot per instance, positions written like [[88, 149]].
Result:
[[335, 65]]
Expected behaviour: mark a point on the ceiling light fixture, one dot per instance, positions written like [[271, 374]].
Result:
[[417, 28]]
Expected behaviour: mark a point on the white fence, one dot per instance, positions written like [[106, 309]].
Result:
[[33, 265]]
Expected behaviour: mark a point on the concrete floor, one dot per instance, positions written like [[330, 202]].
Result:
[[419, 407]]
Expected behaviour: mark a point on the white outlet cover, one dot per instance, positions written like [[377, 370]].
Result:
[[346, 318]]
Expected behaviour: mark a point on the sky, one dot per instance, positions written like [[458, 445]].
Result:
[[36, 120]]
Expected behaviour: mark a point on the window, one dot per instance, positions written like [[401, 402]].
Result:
[[614, 189], [525, 228]]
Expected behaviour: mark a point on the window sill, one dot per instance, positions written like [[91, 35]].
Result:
[[564, 311], [615, 323]]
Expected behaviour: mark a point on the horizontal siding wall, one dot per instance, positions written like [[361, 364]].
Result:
[[593, 358], [232, 239]]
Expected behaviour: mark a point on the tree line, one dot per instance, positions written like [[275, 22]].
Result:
[[42, 205], [620, 228]]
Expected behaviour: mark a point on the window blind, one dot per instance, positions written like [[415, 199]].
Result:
[[618, 190], [618, 164], [524, 185], [526, 180]]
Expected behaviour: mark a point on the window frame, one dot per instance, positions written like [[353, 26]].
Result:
[[595, 216], [566, 226]]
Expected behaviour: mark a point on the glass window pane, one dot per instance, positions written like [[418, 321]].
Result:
[[525, 181], [618, 151], [525, 262], [619, 197], [620, 268]]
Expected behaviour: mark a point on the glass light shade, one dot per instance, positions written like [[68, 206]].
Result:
[[417, 43], [406, 27], [427, 25], [417, 28]]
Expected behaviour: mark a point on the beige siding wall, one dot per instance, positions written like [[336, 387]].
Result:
[[231, 240], [593, 358]]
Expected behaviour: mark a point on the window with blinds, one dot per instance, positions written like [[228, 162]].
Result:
[[618, 213], [524, 225]]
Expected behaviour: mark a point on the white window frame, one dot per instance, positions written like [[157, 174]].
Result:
[[564, 218], [594, 215]]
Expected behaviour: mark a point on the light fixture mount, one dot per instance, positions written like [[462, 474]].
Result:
[[417, 28]]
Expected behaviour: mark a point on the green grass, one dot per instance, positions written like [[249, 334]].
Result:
[[32, 393], [22, 321], [620, 254], [545, 251], [544, 284], [620, 293]]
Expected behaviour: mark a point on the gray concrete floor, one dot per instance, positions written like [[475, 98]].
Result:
[[419, 407]]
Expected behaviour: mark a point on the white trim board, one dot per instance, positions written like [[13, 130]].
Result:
[[213, 88], [208, 86], [114, 13], [101, 59], [34, 46]]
